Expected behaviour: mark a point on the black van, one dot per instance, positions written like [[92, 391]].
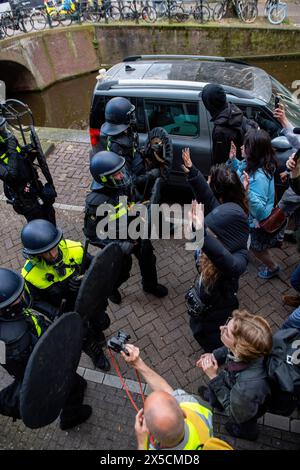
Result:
[[166, 91]]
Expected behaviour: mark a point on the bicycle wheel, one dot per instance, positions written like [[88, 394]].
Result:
[[127, 13], [219, 11], [201, 14], [178, 14], [39, 20], [8, 25], [249, 12], [149, 14], [54, 19], [65, 19], [277, 13], [114, 14]]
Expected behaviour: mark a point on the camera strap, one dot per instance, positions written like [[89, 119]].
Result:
[[117, 369]]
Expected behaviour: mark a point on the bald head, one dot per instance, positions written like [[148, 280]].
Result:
[[164, 418]]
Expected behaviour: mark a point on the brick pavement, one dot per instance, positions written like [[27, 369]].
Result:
[[158, 326]]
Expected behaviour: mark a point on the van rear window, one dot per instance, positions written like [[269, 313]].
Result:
[[177, 118]]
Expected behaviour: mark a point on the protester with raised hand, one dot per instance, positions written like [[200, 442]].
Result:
[[260, 164], [223, 256]]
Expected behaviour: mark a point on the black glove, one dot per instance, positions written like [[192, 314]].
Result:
[[48, 194], [74, 283], [127, 247]]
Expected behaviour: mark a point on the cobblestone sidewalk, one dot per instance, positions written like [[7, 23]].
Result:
[[158, 326]]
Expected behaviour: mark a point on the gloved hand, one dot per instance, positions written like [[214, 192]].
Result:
[[74, 283], [153, 174], [48, 194], [127, 247]]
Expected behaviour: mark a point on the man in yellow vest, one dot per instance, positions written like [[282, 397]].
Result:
[[171, 419], [51, 273], [22, 187]]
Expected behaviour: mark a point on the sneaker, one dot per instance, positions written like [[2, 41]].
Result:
[[79, 416], [95, 352], [115, 297], [158, 290], [267, 273], [291, 300]]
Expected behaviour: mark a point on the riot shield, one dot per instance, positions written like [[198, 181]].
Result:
[[99, 281], [50, 371]]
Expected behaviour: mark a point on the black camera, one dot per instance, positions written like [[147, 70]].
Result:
[[194, 304], [117, 342]]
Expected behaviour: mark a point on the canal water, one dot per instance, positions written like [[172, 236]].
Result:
[[67, 104]]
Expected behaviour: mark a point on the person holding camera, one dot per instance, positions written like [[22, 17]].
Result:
[[290, 200], [171, 419], [241, 389], [224, 255]]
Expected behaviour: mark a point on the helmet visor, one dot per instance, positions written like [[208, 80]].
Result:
[[120, 179]]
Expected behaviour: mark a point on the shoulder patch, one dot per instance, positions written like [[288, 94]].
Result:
[[28, 266]]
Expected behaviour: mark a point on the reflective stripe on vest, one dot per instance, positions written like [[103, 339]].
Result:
[[38, 275], [198, 427], [4, 158], [35, 321], [120, 210]]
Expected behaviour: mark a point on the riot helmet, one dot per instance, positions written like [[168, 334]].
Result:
[[119, 116], [40, 236], [11, 289], [108, 169]]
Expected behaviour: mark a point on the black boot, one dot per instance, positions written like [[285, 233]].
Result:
[[115, 297], [95, 352], [158, 290], [72, 417]]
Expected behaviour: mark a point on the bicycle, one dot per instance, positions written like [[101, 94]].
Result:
[[147, 13], [276, 11], [38, 19], [246, 10], [16, 21], [108, 11]]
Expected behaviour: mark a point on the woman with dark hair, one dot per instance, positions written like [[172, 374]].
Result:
[[223, 256], [260, 165]]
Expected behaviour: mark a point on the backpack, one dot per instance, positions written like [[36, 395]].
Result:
[[283, 367]]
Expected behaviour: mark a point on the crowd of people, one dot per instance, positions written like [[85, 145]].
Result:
[[240, 214]]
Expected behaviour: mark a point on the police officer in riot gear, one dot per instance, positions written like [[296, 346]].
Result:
[[20, 329], [22, 186], [112, 182], [52, 274], [123, 139]]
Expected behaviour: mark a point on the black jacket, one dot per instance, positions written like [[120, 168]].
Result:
[[229, 125], [242, 393], [221, 300]]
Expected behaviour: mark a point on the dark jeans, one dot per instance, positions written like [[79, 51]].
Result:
[[143, 251]]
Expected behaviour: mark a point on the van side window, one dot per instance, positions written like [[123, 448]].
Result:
[[177, 118], [263, 119]]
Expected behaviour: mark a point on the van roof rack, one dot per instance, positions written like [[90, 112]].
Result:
[[169, 84], [135, 58]]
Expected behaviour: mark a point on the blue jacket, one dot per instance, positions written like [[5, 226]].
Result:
[[261, 194]]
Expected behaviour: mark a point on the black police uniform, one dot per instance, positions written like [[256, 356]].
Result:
[[22, 187], [20, 330], [142, 249], [104, 165]]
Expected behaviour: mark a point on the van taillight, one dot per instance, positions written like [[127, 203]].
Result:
[[94, 136]]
